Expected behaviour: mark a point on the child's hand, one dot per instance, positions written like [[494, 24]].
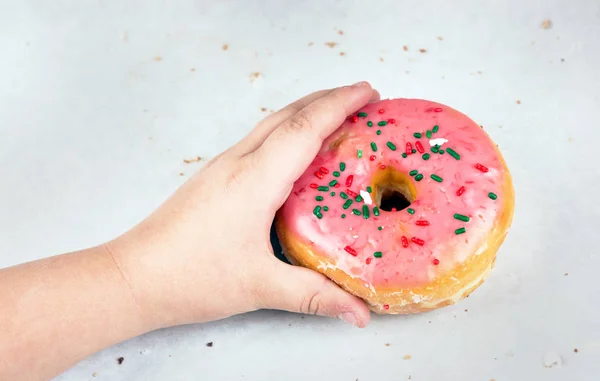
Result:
[[205, 253]]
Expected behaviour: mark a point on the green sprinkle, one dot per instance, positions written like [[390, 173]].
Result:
[[326, 208], [323, 188], [414, 151], [343, 195], [358, 198], [382, 123], [343, 216], [378, 132], [319, 198], [356, 211], [391, 145], [437, 178], [342, 166], [319, 215], [370, 124], [332, 194], [347, 204], [332, 183], [336, 174], [441, 152], [426, 156], [418, 135], [366, 212], [419, 177], [317, 210], [404, 155], [453, 153], [375, 211], [377, 254], [369, 189], [460, 231], [428, 134], [380, 228], [435, 129], [462, 217], [362, 114], [410, 211], [413, 172], [492, 195], [359, 154], [374, 146], [435, 148]]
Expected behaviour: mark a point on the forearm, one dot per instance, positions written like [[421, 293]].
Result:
[[56, 311]]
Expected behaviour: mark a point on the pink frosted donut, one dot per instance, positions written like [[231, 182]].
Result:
[[404, 206]]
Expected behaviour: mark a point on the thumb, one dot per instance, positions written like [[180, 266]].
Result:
[[298, 289]]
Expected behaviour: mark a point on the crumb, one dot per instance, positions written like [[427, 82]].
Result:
[[387, 344], [263, 109], [380, 59], [209, 344], [254, 76], [193, 69], [158, 58], [181, 173], [342, 54], [341, 32], [120, 360], [466, 310], [492, 379], [95, 374], [566, 274], [405, 47], [518, 101], [225, 46], [422, 50], [429, 321], [301, 317], [289, 325], [192, 160], [124, 37], [407, 357], [562, 60], [331, 44], [479, 72], [440, 38], [310, 43], [547, 24], [407, 72], [409, 377], [271, 111], [576, 350]]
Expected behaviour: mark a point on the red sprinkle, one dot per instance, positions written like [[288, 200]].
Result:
[[368, 261], [438, 109], [381, 111], [482, 168], [422, 223], [351, 193], [460, 191], [381, 166], [314, 186], [372, 157], [324, 170], [386, 306], [436, 261], [337, 185], [419, 147], [408, 148], [354, 118], [418, 241], [302, 190], [391, 121], [404, 241], [349, 180], [319, 174], [393, 209], [350, 250]]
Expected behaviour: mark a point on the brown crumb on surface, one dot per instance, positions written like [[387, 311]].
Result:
[[422, 50], [263, 109], [120, 360], [405, 47], [566, 274], [209, 344], [181, 173], [440, 38], [158, 58], [466, 310], [95, 374], [547, 24], [341, 32], [311, 43], [342, 54], [254, 76], [331, 44], [380, 59], [407, 357], [225, 46], [576, 350], [193, 69], [387, 344], [518, 101], [409, 377], [479, 72], [192, 160], [562, 60]]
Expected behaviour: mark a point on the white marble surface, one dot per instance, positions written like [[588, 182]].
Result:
[[94, 130]]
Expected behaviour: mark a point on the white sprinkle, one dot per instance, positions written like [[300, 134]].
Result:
[[438, 142], [366, 197]]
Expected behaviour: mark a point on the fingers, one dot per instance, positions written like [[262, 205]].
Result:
[[291, 147], [297, 289]]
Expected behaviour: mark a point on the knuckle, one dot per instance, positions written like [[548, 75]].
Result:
[[302, 121], [313, 303]]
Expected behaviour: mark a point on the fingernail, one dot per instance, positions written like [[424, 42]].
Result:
[[349, 317], [360, 84]]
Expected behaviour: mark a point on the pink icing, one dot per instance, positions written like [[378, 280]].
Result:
[[436, 202]]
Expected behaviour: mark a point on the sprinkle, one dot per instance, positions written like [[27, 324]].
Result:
[[418, 135], [381, 111], [323, 188], [378, 254], [418, 241], [410, 211], [386, 306], [393, 209], [380, 228], [438, 109], [342, 166], [317, 210], [413, 151], [435, 149], [419, 177], [350, 250], [370, 124], [336, 174], [482, 168], [372, 157], [347, 204], [461, 217], [437, 178], [391, 121], [419, 147], [369, 189], [404, 155], [374, 146], [460, 191], [382, 166], [349, 180], [408, 149], [359, 154], [358, 198], [435, 129], [343, 216], [326, 208], [378, 132], [422, 223], [319, 174], [382, 123], [453, 153], [354, 118], [314, 186], [492, 195], [376, 211], [426, 156], [413, 172], [332, 183], [441, 152], [319, 198], [362, 114], [404, 241], [337, 185], [436, 261], [343, 195], [356, 211], [460, 231], [332, 194], [368, 260], [428, 134], [351, 193], [391, 146], [324, 170], [365, 210]]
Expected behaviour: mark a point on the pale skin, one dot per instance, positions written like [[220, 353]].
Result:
[[203, 255]]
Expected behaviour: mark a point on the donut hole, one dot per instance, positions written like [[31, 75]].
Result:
[[393, 199], [394, 190]]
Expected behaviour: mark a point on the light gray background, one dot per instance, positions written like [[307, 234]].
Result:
[[94, 130]]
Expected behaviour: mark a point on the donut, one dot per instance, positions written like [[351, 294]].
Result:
[[405, 206]]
